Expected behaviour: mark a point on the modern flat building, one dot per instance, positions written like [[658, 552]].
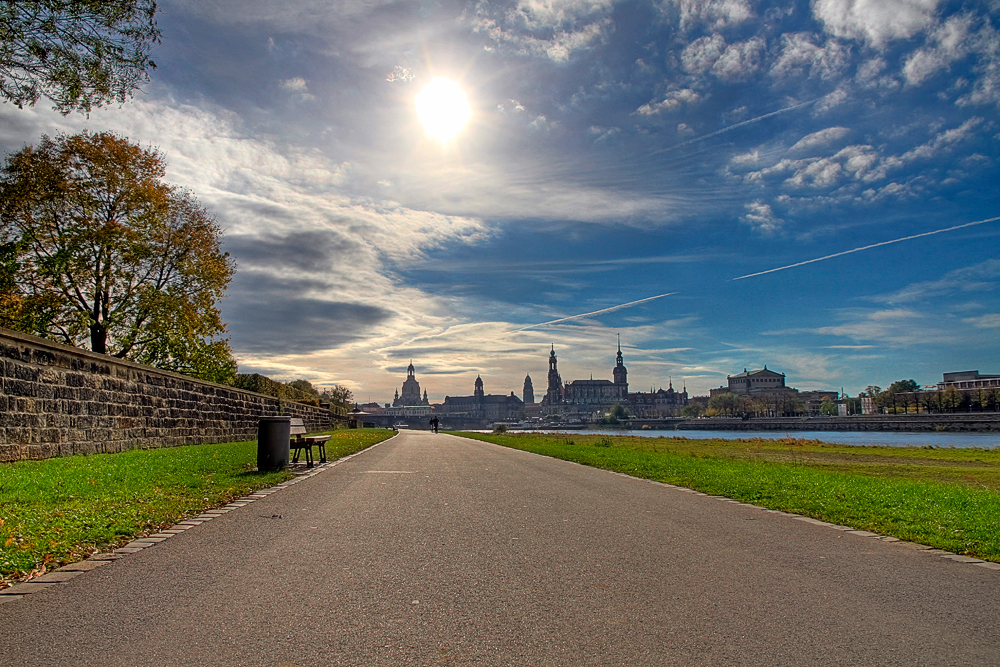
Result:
[[968, 380]]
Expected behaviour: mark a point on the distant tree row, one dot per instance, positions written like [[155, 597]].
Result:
[[777, 404], [905, 396]]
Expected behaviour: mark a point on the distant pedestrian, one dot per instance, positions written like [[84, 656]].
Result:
[[434, 424]]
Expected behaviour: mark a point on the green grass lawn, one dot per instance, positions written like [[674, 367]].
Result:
[[946, 498], [62, 510]]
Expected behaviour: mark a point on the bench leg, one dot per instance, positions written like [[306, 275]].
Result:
[[322, 452], [309, 454]]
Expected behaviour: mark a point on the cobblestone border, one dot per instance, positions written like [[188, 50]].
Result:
[[73, 570]]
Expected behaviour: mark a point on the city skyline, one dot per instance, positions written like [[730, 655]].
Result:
[[807, 185]]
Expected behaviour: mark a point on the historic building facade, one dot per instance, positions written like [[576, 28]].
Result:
[[660, 403], [483, 406], [410, 395], [584, 399]]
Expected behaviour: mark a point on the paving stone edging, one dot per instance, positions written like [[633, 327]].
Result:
[[67, 572]]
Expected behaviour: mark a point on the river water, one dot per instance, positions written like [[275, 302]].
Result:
[[861, 438]]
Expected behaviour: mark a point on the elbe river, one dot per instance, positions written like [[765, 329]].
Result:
[[860, 438]]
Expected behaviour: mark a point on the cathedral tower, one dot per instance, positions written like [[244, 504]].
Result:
[[529, 391], [620, 373], [554, 393]]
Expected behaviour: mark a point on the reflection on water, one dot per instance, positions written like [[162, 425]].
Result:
[[861, 438]]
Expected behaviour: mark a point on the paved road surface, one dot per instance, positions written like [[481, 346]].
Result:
[[436, 550]]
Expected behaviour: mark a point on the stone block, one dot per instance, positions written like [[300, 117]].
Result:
[[42, 451], [18, 436], [57, 576], [49, 376], [50, 435], [20, 387], [83, 566], [26, 373], [9, 453]]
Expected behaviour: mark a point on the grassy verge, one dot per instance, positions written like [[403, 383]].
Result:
[[945, 498], [62, 510]]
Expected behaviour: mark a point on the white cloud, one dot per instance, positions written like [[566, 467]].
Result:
[[854, 162], [870, 74], [982, 277], [716, 14], [603, 133], [554, 29], [670, 102], [753, 157], [740, 61], [297, 86], [761, 218], [991, 321], [896, 326], [986, 87], [684, 130], [951, 43], [400, 73], [801, 54], [831, 100], [943, 141], [736, 115], [821, 138], [699, 56], [875, 22], [555, 13]]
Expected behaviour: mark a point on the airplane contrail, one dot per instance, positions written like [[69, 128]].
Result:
[[737, 125], [869, 247], [596, 312]]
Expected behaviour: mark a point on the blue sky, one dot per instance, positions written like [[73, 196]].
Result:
[[616, 151]]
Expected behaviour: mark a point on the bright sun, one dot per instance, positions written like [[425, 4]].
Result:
[[443, 109]]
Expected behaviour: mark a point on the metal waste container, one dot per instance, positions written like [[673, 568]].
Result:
[[273, 434]]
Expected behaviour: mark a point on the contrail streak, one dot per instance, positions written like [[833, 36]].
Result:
[[869, 247], [596, 312], [737, 126]]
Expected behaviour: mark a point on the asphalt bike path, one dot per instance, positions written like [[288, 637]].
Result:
[[438, 550]]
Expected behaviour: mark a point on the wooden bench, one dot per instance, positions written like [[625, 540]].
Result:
[[299, 441]]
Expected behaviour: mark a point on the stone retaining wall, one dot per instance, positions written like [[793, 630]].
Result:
[[57, 400]]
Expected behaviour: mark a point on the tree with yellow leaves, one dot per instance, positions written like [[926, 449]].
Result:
[[96, 249]]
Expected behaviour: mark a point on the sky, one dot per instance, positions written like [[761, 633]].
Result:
[[616, 151]]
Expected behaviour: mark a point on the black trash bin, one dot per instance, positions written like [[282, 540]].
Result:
[[273, 434]]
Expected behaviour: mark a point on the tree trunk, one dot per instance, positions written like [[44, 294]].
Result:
[[98, 338]]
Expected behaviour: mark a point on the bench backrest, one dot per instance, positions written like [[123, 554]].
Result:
[[298, 428]]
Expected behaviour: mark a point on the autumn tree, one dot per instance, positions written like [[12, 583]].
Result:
[[304, 386], [338, 395], [100, 251], [78, 53], [828, 407]]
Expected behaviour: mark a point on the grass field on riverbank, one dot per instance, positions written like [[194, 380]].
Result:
[[62, 510], [945, 498]]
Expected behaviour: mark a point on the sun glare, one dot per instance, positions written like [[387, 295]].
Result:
[[443, 109]]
